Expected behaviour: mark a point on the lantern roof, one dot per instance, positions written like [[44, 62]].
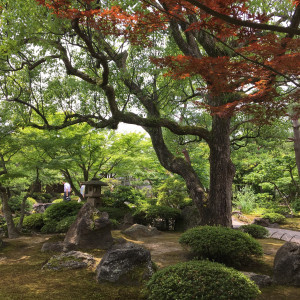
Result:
[[95, 181]]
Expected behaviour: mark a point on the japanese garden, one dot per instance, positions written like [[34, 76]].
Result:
[[149, 149]]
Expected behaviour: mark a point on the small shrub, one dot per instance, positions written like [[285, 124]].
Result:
[[256, 231], [57, 200], [274, 218], [49, 227], [245, 200], [33, 222], [200, 280], [59, 211], [115, 224], [64, 224], [225, 245], [115, 212], [122, 194]]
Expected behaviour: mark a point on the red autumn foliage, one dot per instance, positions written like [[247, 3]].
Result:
[[259, 63]]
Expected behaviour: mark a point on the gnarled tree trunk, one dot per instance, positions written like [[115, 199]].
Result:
[[11, 228]]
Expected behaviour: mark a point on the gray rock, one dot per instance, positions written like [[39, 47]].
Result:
[[261, 222], [287, 264], [55, 247], [260, 280], [138, 231], [41, 207], [127, 221], [91, 230], [125, 263], [70, 260]]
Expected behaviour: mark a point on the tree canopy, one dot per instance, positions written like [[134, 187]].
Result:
[[197, 69]]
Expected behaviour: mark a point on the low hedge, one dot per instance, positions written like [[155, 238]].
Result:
[[256, 231], [203, 280], [274, 218], [225, 245]]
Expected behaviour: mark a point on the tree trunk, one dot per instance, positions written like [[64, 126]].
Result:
[[11, 228], [216, 210], [222, 170], [296, 130]]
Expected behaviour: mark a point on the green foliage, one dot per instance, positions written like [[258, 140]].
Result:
[[149, 213], [245, 200], [115, 223], [163, 212], [256, 231], [296, 205], [49, 227], [33, 222], [57, 200], [42, 197], [200, 280], [64, 224], [116, 212], [225, 245], [172, 193], [274, 218], [58, 211], [29, 203], [15, 203], [122, 194]]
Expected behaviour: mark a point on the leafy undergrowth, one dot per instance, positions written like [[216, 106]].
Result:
[[22, 278], [292, 224]]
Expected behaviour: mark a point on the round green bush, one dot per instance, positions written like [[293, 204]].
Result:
[[203, 280], [256, 231], [33, 222], [64, 224], [225, 245], [274, 218], [59, 211], [49, 227]]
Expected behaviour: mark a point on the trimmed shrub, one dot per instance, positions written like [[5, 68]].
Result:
[[64, 224], [274, 218], [49, 227], [115, 212], [256, 231], [57, 200], [200, 280], [59, 211], [33, 222], [225, 245]]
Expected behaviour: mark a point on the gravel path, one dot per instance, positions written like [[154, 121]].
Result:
[[276, 233]]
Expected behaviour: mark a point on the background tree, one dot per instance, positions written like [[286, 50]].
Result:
[[224, 65]]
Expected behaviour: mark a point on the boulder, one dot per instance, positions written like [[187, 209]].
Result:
[[127, 221], [125, 263], [261, 222], [287, 264], [260, 280], [91, 230], [55, 247], [41, 207], [70, 260], [139, 231]]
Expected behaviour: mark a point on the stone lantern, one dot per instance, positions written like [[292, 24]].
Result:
[[93, 191]]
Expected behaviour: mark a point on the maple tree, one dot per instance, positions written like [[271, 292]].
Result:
[[154, 64]]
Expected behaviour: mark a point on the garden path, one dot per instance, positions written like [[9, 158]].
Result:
[[276, 233]]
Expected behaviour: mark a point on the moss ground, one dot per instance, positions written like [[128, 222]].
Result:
[[22, 278]]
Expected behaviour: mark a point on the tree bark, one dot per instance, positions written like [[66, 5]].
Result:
[[296, 130], [216, 209], [222, 170], [11, 228]]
